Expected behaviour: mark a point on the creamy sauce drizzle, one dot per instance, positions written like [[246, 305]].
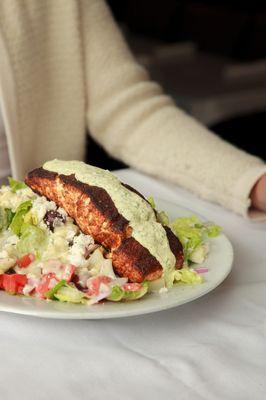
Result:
[[141, 217]]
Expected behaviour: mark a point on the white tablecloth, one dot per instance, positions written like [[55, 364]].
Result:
[[212, 348]]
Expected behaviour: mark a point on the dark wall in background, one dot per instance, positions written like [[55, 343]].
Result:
[[234, 30]]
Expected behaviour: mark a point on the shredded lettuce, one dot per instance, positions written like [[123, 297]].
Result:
[[9, 215], [192, 233], [51, 293], [3, 219], [6, 217], [137, 294], [116, 294], [95, 262], [151, 201], [18, 218], [162, 217], [70, 294], [31, 218], [16, 185], [32, 240], [212, 230], [199, 254], [188, 276]]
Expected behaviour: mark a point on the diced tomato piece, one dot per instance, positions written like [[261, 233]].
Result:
[[1, 281], [132, 287], [26, 260], [105, 279], [13, 283], [46, 284], [94, 284]]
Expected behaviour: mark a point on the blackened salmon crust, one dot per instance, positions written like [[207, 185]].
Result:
[[96, 214]]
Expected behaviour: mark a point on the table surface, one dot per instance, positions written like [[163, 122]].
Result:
[[212, 348]]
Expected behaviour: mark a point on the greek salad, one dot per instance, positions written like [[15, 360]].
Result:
[[44, 254]]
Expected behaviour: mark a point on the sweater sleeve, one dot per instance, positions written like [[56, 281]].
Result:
[[131, 117]]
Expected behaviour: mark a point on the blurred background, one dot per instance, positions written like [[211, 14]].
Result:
[[210, 56]]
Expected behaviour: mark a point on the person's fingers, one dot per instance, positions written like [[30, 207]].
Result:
[[258, 194]]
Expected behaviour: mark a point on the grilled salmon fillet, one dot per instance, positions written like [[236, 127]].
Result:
[[96, 214]]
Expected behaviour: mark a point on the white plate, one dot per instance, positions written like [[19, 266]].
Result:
[[219, 263]]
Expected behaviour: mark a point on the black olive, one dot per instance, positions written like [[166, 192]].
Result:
[[51, 217], [11, 271]]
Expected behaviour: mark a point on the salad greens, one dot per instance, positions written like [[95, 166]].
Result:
[[51, 293], [32, 240], [69, 293], [116, 294], [18, 218], [6, 217], [121, 293], [162, 217], [194, 234], [44, 254], [16, 185], [187, 275], [136, 294], [3, 219]]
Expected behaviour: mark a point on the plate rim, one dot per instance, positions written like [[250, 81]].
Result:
[[125, 313]]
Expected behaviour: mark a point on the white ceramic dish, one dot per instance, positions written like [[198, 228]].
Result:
[[219, 263]]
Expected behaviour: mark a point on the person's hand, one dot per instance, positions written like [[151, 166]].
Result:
[[258, 194]]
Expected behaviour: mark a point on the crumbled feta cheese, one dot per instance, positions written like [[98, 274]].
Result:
[[26, 192], [33, 269], [83, 274], [6, 262], [63, 212], [76, 255], [12, 240], [40, 206]]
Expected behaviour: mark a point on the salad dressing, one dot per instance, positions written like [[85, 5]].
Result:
[[146, 230]]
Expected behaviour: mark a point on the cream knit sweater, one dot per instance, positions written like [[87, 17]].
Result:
[[64, 66]]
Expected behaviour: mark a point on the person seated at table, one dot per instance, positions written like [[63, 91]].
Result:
[[65, 68]]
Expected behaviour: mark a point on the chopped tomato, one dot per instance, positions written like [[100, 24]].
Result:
[[94, 284], [47, 282], [26, 260], [13, 283], [132, 287]]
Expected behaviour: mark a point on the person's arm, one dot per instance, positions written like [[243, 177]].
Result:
[[258, 194], [137, 123]]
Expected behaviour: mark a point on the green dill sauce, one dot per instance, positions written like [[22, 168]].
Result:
[[141, 217]]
